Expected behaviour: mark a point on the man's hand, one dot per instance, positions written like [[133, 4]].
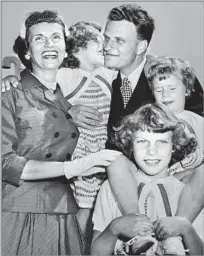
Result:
[[9, 81], [84, 116], [170, 226], [131, 225]]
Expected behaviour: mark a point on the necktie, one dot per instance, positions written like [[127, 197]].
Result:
[[126, 91]]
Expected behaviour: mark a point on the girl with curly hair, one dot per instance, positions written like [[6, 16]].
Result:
[[154, 139]]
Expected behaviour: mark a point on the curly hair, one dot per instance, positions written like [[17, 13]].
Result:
[[155, 118], [21, 45], [139, 17], [162, 67], [81, 34]]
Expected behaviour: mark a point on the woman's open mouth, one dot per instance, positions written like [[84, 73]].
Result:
[[50, 54]]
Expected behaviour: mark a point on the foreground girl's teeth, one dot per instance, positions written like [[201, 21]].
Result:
[[151, 162]]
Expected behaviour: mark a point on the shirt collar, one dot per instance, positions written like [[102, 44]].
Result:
[[134, 76], [29, 81]]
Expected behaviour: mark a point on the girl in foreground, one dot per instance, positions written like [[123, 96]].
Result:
[[153, 137]]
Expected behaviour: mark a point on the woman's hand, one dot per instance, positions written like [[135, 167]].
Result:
[[83, 166], [171, 226], [9, 81]]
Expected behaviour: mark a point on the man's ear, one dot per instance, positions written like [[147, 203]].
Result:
[[142, 47]]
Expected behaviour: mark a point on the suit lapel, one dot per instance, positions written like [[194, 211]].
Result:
[[141, 95]]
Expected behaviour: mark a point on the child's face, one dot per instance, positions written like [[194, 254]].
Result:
[[93, 56], [152, 152], [170, 92]]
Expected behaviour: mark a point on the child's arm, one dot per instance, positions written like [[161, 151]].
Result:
[[193, 192], [184, 228], [129, 225], [192, 241], [123, 184]]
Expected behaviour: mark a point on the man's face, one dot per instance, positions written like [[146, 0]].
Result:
[[120, 45]]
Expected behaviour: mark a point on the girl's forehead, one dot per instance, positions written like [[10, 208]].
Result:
[[146, 134], [171, 77]]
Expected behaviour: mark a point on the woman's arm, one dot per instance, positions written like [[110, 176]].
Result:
[[120, 176], [79, 167]]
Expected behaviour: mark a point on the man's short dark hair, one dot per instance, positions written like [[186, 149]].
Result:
[[139, 17]]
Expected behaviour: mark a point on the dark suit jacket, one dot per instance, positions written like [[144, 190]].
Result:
[[141, 95]]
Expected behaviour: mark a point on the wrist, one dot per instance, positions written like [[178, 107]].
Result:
[[113, 227], [186, 225]]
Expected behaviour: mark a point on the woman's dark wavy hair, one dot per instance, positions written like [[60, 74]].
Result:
[[155, 118], [21, 45], [162, 67], [144, 23], [81, 34]]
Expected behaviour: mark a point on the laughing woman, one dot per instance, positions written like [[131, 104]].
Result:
[[39, 137]]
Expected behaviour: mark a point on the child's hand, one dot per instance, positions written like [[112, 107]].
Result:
[[9, 81], [131, 225], [170, 226]]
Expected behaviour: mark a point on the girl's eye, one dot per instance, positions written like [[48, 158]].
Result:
[[38, 38], [162, 141], [173, 88], [141, 141], [56, 37], [158, 89]]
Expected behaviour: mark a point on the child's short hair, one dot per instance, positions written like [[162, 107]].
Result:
[[155, 118], [81, 34], [162, 67]]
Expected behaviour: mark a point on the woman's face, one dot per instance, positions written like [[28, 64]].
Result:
[[152, 152], [46, 45]]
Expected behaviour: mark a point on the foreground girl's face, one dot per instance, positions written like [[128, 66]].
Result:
[[46, 45], [170, 92], [152, 152]]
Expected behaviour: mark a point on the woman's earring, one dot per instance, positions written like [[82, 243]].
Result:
[[66, 55], [27, 56], [187, 94]]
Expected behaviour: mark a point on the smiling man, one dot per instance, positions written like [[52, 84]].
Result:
[[127, 34]]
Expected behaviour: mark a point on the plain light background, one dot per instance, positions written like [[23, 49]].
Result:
[[179, 25]]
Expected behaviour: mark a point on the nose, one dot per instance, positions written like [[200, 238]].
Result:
[[165, 93], [49, 42], [108, 44], [152, 149]]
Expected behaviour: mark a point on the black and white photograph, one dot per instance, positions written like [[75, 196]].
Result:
[[102, 128]]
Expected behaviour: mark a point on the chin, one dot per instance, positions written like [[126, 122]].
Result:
[[110, 64]]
